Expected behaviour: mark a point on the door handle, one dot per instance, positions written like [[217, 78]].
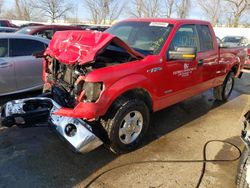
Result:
[[5, 65], [200, 62]]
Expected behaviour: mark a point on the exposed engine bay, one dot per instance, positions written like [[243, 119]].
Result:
[[68, 81]]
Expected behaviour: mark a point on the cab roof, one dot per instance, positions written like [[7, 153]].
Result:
[[168, 20]]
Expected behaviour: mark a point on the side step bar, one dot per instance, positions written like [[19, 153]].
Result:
[[31, 112]]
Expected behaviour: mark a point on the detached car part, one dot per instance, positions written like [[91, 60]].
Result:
[[28, 112]]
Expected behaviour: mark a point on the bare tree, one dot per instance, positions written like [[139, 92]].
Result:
[[137, 8], [1, 5], [169, 8], [237, 8], [115, 10], [211, 10], [53, 9], [145, 8], [182, 8], [22, 10], [152, 8], [104, 11]]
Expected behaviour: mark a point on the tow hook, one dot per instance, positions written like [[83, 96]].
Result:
[[32, 112]]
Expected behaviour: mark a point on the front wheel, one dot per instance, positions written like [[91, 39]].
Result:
[[127, 125], [223, 91]]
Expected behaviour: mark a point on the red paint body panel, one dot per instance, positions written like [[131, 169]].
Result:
[[165, 86], [247, 63]]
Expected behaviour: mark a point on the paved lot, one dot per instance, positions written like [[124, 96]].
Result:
[[37, 158]]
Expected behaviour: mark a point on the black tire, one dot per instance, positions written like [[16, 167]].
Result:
[[115, 118], [242, 170], [220, 92]]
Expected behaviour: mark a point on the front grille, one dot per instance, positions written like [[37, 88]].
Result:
[[68, 75], [63, 78], [62, 72]]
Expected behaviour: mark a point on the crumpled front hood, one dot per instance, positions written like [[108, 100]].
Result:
[[70, 47]]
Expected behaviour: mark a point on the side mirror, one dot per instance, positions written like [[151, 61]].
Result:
[[38, 54], [182, 53]]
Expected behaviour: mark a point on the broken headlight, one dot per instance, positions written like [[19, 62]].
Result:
[[92, 91]]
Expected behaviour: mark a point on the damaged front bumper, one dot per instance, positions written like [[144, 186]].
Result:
[[32, 112]]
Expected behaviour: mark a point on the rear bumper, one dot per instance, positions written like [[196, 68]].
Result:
[[74, 131]]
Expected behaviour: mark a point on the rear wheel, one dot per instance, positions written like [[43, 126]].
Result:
[[223, 91], [126, 125]]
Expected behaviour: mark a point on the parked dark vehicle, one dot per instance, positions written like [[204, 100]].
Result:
[[83, 26], [31, 24], [235, 41], [94, 27], [98, 28], [8, 30], [7, 23], [46, 31]]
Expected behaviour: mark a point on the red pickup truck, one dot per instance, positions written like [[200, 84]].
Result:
[[102, 87]]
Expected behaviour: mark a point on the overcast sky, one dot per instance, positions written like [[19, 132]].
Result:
[[82, 12]]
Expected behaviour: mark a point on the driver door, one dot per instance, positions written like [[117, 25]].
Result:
[[182, 76]]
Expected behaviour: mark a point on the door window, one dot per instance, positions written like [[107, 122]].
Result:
[[3, 47], [186, 36], [25, 47]]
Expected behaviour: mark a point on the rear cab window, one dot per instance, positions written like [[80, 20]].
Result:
[[206, 38]]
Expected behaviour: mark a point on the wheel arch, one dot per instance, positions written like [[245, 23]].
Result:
[[236, 69], [136, 93]]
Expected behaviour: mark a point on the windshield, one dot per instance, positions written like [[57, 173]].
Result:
[[232, 39], [25, 30], [144, 37]]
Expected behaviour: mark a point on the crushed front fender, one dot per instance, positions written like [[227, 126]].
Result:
[[31, 112]]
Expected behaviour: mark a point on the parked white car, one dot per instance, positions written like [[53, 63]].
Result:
[[20, 71]]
